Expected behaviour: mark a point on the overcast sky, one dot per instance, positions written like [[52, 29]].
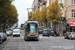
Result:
[[21, 6]]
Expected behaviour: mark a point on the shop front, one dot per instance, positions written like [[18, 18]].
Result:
[[72, 26]]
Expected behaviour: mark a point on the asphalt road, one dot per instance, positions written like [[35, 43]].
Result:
[[44, 43]]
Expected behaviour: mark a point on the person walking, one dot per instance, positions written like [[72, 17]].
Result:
[[57, 33]]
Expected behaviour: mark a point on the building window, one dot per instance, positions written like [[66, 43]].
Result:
[[39, 0], [73, 13], [60, 1], [73, 2]]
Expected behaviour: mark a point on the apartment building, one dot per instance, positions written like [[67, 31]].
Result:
[[70, 14], [38, 4], [35, 5]]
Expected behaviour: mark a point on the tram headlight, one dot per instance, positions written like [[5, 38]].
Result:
[[28, 35], [35, 35]]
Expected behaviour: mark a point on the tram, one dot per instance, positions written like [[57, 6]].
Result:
[[31, 30]]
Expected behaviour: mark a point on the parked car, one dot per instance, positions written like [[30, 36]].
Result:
[[16, 32], [45, 32], [3, 37], [66, 35], [40, 31], [72, 35], [51, 32], [9, 33]]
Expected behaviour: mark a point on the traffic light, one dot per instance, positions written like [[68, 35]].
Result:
[[67, 27]]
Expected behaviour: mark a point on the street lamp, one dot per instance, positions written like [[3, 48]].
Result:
[[30, 12]]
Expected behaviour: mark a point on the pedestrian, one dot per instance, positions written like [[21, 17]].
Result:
[[57, 33], [5, 31]]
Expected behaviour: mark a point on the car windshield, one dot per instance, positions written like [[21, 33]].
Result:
[[15, 31], [46, 31], [51, 29], [40, 30], [73, 33], [68, 33]]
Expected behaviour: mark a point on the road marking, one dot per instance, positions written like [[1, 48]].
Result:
[[24, 45]]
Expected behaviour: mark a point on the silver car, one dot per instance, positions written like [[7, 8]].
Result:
[[72, 35], [3, 37]]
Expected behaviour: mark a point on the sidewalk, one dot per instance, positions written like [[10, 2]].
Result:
[[57, 36]]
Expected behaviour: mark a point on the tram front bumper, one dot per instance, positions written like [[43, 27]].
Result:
[[32, 36]]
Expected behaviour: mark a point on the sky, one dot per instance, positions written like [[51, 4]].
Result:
[[21, 6]]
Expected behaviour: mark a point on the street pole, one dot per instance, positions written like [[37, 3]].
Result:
[[28, 12], [61, 28]]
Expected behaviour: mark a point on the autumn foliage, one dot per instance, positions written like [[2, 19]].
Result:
[[52, 14], [8, 12]]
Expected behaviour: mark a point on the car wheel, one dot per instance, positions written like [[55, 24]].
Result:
[[13, 35], [19, 35], [37, 39], [48, 35], [65, 38], [5, 39], [1, 41], [25, 39], [42, 35], [70, 38]]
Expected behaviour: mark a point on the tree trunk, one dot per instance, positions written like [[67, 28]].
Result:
[[51, 25]]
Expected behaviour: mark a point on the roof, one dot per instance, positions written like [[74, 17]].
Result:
[[45, 29], [32, 21]]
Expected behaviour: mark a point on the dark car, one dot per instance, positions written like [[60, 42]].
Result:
[[51, 32], [66, 35], [40, 31], [45, 32], [3, 37]]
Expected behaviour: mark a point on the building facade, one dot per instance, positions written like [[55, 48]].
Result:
[[38, 5], [70, 15], [35, 5]]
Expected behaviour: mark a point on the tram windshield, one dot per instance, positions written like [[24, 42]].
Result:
[[32, 28]]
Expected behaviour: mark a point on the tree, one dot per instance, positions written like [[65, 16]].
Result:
[[54, 12], [8, 12], [37, 15], [34, 16], [43, 15], [13, 15]]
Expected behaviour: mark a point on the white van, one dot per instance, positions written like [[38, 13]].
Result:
[[16, 32]]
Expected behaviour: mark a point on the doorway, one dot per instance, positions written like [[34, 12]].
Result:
[[73, 29]]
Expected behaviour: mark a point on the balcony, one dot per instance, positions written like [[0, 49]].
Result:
[[43, 3]]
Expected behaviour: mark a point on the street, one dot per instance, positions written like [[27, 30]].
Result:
[[44, 43]]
